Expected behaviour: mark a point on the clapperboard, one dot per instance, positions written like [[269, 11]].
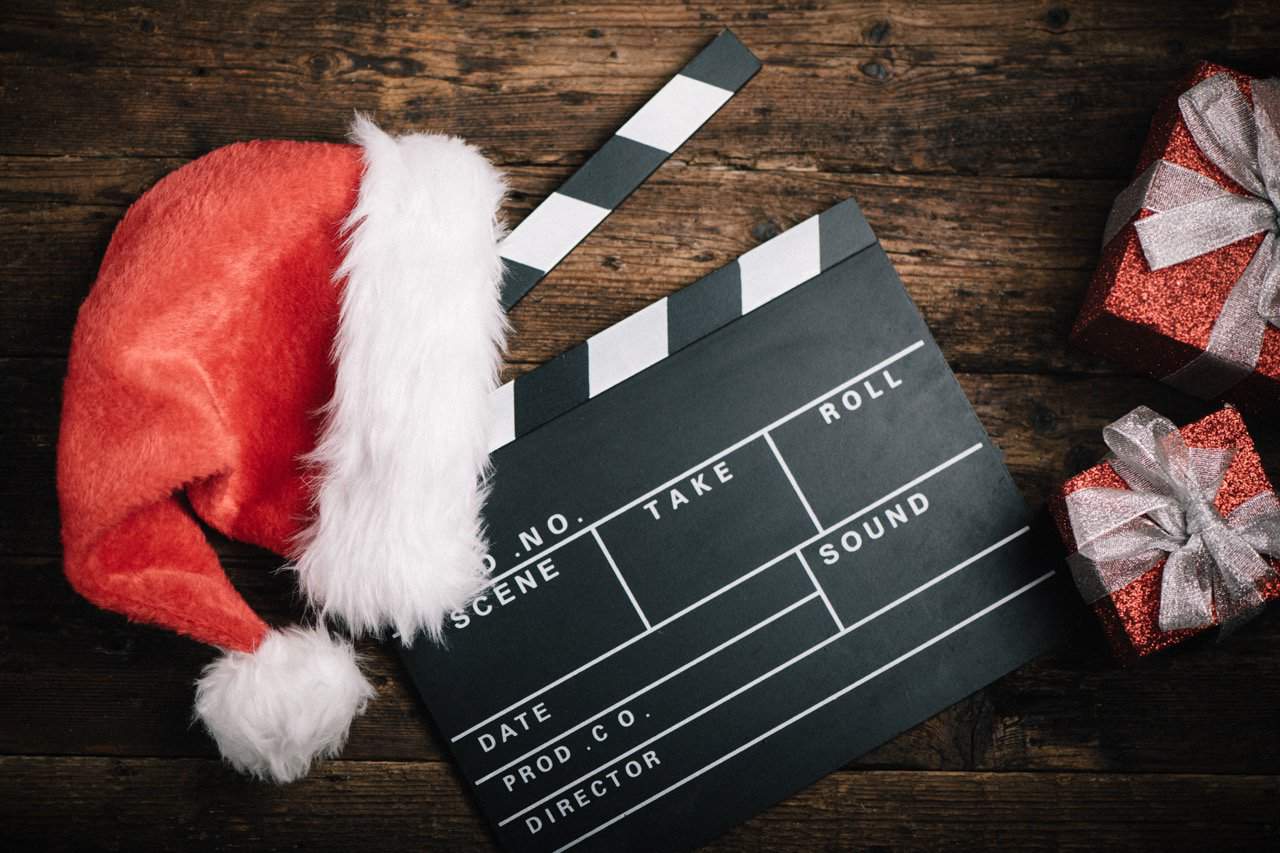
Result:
[[737, 539]]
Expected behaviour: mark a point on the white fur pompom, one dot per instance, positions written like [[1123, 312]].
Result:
[[274, 711], [396, 541]]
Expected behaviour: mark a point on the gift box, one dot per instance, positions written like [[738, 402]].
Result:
[[1175, 533], [1186, 287]]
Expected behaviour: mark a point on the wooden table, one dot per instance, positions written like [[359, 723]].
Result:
[[984, 141]]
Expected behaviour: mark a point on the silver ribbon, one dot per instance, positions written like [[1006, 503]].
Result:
[[1213, 565], [1193, 215]]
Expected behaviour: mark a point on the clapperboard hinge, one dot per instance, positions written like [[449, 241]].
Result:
[[664, 327]]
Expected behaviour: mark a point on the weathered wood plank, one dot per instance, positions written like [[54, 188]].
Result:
[[972, 88], [998, 266], [965, 811], [78, 804], [119, 34], [60, 804]]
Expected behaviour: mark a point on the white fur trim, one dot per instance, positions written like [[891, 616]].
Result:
[[397, 540], [274, 711]]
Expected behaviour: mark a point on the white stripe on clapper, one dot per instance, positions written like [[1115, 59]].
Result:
[[673, 114], [627, 347], [551, 231]]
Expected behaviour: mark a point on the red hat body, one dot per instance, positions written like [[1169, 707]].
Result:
[[298, 342], [203, 352]]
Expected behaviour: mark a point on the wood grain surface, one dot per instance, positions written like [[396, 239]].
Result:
[[984, 141]]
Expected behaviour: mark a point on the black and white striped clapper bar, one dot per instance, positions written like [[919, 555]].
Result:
[[639, 147], [734, 540]]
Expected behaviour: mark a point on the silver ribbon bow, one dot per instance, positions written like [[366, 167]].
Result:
[[1193, 215], [1213, 564]]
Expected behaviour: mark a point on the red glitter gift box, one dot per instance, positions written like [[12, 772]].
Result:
[[1159, 321], [1129, 615]]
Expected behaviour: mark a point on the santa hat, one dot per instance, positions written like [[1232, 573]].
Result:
[[301, 339]]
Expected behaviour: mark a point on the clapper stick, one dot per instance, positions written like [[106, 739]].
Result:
[[630, 156]]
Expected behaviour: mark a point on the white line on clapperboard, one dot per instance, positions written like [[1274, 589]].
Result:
[[813, 516], [791, 478], [796, 549], [814, 707], [634, 503], [617, 573], [651, 685], [813, 579], [768, 621], [806, 653]]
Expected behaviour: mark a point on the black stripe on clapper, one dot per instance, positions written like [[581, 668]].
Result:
[[712, 301], [842, 232], [551, 389], [613, 173]]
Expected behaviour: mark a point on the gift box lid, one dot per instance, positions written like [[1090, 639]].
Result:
[[1158, 321], [1129, 616], [1225, 428]]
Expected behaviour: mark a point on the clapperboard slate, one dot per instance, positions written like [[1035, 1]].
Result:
[[737, 540]]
